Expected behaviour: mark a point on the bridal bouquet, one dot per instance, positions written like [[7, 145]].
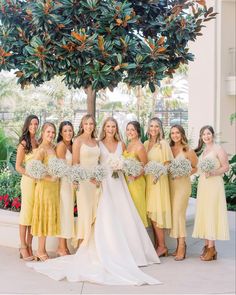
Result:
[[98, 173], [155, 169], [116, 164], [76, 174], [57, 167], [180, 167], [36, 169], [207, 165], [132, 167]]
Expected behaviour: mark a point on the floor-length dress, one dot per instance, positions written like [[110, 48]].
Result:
[[211, 220], [118, 245]]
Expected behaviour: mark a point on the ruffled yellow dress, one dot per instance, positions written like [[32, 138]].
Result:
[[27, 194], [211, 220], [158, 195], [46, 211], [137, 191], [180, 189], [87, 196]]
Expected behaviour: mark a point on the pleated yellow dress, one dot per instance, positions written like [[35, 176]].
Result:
[[67, 203], [137, 191], [87, 196], [211, 220], [46, 211], [158, 195], [27, 194], [180, 191]]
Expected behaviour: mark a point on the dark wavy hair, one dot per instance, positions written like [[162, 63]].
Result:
[[25, 136], [184, 140], [64, 123], [137, 127], [81, 129], [198, 149]]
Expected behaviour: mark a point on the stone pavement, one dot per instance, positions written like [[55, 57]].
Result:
[[191, 276]]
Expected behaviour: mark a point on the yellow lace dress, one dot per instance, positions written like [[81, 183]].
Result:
[[158, 195], [27, 194], [137, 191], [46, 211], [211, 220]]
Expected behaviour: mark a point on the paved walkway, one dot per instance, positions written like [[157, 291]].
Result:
[[191, 276]]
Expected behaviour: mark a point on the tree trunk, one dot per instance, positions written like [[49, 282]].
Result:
[[91, 101]]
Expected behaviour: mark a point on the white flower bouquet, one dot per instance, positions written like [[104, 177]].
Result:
[[98, 173], [57, 167], [76, 174], [116, 164], [207, 165], [155, 169], [36, 169], [180, 167], [132, 167]]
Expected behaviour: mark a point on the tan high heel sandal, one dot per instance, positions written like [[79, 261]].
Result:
[[204, 250], [27, 258], [181, 252], [210, 255], [41, 258]]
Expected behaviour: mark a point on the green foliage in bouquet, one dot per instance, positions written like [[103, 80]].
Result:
[[98, 43]]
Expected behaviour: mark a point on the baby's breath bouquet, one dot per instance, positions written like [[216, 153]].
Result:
[[207, 165], [132, 167], [98, 173], [155, 169], [76, 174], [57, 167], [180, 167], [116, 164], [36, 169]]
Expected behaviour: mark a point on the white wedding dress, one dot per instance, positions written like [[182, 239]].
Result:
[[119, 242]]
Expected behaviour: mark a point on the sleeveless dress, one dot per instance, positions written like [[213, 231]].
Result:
[[180, 191], [67, 204], [158, 195], [46, 211], [88, 194], [137, 190], [211, 220], [118, 243], [27, 186]]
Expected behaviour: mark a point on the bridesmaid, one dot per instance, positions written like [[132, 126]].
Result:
[[211, 222], [64, 151], [85, 151], [180, 188], [158, 195], [25, 152], [136, 185], [46, 211]]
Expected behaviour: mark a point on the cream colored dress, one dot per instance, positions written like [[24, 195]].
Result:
[[88, 194], [27, 194], [67, 203], [211, 220], [158, 195], [180, 191]]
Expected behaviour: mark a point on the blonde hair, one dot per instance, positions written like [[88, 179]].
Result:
[[102, 135], [81, 129], [44, 127], [161, 134]]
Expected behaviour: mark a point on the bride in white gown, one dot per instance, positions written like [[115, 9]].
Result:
[[119, 242]]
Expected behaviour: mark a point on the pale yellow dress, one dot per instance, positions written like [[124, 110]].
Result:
[[158, 195], [46, 211], [67, 203], [87, 196], [137, 191], [27, 194], [211, 220], [180, 191]]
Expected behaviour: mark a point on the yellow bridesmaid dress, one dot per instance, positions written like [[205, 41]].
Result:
[[211, 220], [180, 191], [46, 211], [137, 191], [158, 195], [27, 194], [67, 203], [88, 194]]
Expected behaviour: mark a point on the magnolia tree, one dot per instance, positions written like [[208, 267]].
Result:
[[95, 44]]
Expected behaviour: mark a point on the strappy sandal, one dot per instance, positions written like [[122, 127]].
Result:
[[27, 258], [41, 258]]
